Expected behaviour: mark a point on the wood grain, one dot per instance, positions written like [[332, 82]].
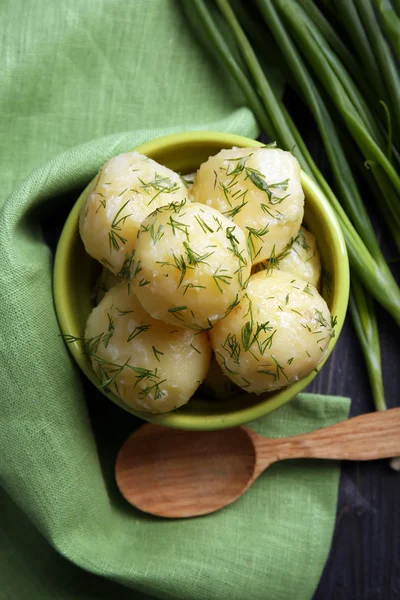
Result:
[[174, 473], [367, 437]]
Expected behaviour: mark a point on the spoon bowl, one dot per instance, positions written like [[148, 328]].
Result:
[[185, 471]]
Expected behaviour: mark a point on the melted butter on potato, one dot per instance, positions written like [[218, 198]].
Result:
[[260, 190], [150, 365], [190, 266], [300, 257], [278, 333], [127, 188]]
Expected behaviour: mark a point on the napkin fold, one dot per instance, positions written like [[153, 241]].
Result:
[[82, 82]]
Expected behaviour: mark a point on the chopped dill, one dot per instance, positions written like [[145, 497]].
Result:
[[156, 235], [137, 331], [236, 209], [194, 258], [219, 278], [160, 184], [178, 226], [114, 237], [204, 226], [157, 352], [232, 347]]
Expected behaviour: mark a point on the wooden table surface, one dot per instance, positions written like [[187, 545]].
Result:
[[364, 561]]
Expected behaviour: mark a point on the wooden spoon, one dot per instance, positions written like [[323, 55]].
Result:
[[174, 473]]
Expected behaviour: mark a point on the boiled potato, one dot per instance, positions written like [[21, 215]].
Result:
[[105, 282], [127, 188], [278, 333], [300, 257], [151, 366], [260, 190], [217, 385], [190, 266]]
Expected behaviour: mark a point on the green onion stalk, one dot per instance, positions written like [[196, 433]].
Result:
[[371, 275], [349, 102], [390, 23]]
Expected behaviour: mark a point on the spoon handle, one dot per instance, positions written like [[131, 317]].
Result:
[[367, 437]]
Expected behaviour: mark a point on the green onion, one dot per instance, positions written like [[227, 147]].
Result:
[[382, 52], [390, 24], [352, 23], [396, 4], [350, 104], [364, 320], [341, 106], [198, 9]]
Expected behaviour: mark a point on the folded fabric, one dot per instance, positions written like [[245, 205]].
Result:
[[270, 544], [75, 75]]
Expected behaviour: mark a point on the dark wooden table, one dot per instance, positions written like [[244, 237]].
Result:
[[364, 561]]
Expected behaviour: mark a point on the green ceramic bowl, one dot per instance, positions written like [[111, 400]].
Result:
[[75, 274]]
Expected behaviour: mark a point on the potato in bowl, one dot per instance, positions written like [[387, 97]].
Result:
[[76, 273]]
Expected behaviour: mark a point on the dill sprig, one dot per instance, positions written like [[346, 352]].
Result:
[[275, 374], [258, 234], [319, 317], [192, 286], [176, 311], [204, 226], [179, 264], [178, 226], [236, 209], [234, 245], [161, 184], [127, 268], [156, 235], [111, 328], [102, 201], [176, 206], [232, 347], [232, 306], [108, 371], [194, 258], [123, 312], [106, 263], [326, 282], [143, 282], [273, 260], [137, 331], [114, 237], [220, 278], [301, 240], [157, 353], [151, 378], [307, 289]]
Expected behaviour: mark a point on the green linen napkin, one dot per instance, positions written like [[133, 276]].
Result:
[[82, 81]]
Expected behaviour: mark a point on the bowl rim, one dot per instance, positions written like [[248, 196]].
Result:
[[176, 419]]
